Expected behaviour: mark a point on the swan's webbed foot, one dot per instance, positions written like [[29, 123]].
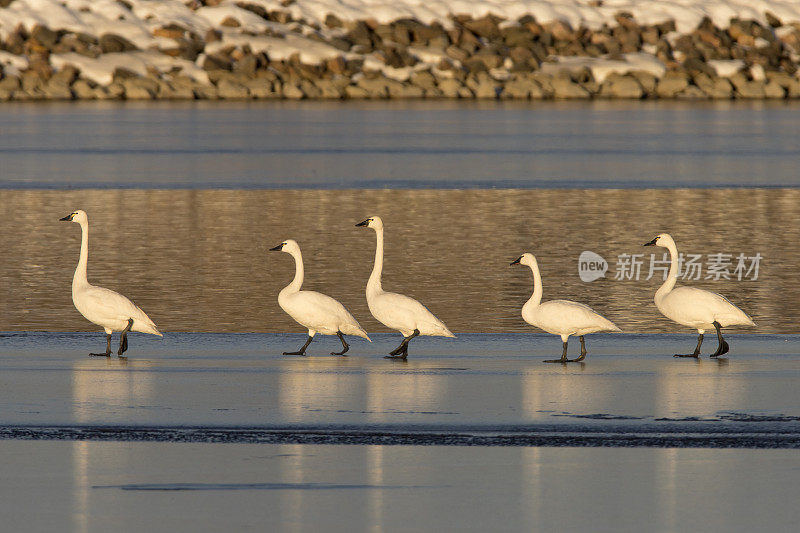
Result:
[[723, 345], [123, 340], [563, 357], [722, 349], [401, 352], [345, 346], [583, 352], [108, 348], [696, 352], [401, 357], [302, 350]]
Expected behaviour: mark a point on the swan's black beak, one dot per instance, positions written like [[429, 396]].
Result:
[[516, 261], [277, 248], [363, 223], [68, 218], [651, 243]]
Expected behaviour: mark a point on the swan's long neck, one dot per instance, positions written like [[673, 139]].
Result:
[[374, 283], [297, 282], [536, 297], [672, 277], [79, 279]]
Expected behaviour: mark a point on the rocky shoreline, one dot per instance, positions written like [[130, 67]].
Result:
[[467, 58]]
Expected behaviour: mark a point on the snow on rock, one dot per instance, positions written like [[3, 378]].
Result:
[[101, 70], [602, 67], [686, 13], [13, 64], [311, 52], [725, 68]]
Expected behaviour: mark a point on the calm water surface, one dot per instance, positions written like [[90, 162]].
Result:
[[201, 145], [197, 260]]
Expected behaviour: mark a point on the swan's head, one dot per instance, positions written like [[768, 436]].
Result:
[[372, 222], [78, 217], [287, 246], [662, 239], [525, 259]]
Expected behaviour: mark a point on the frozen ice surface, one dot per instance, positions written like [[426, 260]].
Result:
[[477, 389], [235, 388], [132, 486]]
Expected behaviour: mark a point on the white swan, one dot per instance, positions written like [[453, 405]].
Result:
[[560, 317], [104, 307], [693, 307], [397, 311], [316, 311]]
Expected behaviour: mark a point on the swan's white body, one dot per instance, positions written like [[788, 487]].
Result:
[[689, 306], [397, 311], [104, 307], [313, 310], [560, 317]]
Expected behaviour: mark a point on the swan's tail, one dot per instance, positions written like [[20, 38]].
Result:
[[437, 330], [355, 330], [143, 324]]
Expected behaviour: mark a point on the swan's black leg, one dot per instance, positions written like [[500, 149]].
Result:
[[723, 346], [583, 352], [301, 351], [696, 352], [563, 356], [108, 347], [345, 346], [123, 339], [401, 352]]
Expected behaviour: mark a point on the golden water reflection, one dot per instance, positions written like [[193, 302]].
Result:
[[197, 260]]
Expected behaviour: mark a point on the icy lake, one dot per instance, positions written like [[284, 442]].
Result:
[[436, 144], [211, 429]]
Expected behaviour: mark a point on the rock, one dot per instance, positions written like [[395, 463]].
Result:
[[110, 43], [565, 88], [646, 80], [139, 88], [618, 86], [356, 93], [772, 20], [423, 79], [483, 86], [330, 90], [45, 36], [456, 53], [450, 87], [205, 92], [714, 87], [773, 89], [336, 65], [57, 91], [745, 88], [522, 88], [671, 84], [560, 30], [31, 81], [83, 90], [217, 62], [484, 27], [246, 65], [381, 86], [695, 65], [332, 21], [691, 92], [65, 76], [230, 89], [489, 59], [262, 89]]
